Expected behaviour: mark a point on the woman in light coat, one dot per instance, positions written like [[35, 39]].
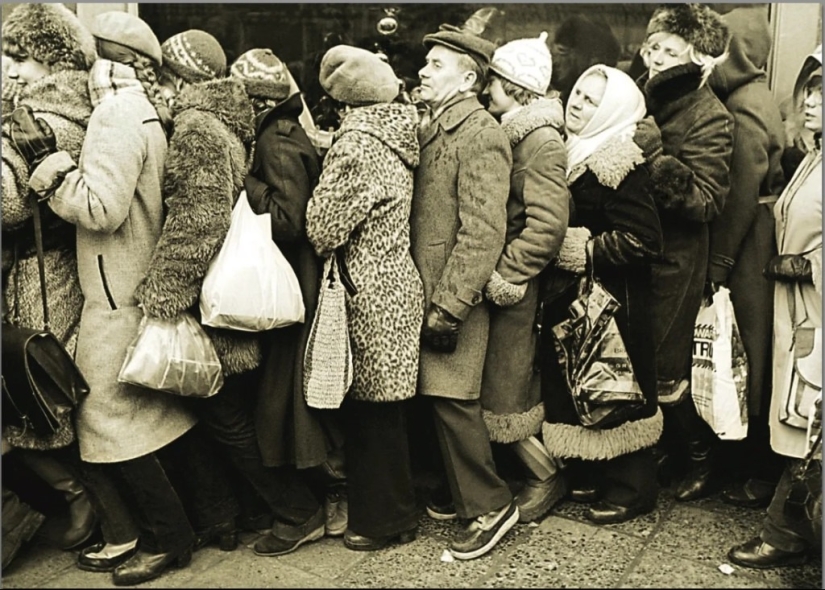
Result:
[[361, 209]]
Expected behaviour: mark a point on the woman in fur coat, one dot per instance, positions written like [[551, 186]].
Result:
[[112, 195], [610, 188], [208, 162], [684, 43], [361, 208], [537, 215]]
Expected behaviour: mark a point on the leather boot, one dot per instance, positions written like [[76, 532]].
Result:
[[698, 482], [82, 518], [20, 523], [545, 484]]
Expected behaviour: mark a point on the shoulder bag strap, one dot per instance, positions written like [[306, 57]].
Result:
[[41, 265]]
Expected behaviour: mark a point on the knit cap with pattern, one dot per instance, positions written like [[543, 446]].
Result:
[[194, 55], [263, 74], [526, 63]]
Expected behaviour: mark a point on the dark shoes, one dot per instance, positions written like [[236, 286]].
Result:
[[102, 564], [584, 494], [438, 511], [283, 539], [336, 510], [604, 512], [538, 497], [143, 566], [484, 532], [760, 555], [754, 493], [224, 534], [699, 481], [359, 543], [20, 523]]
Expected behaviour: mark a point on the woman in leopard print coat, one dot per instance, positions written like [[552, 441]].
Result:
[[361, 207]]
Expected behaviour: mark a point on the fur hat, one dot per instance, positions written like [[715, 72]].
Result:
[[50, 34], [697, 24], [195, 56], [357, 77], [127, 30], [263, 74], [526, 63], [477, 48]]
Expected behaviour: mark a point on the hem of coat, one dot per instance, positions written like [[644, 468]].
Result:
[[143, 452], [572, 441], [462, 397], [395, 397], [510, 428]]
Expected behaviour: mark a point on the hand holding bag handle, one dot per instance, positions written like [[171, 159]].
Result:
[[41, 381]]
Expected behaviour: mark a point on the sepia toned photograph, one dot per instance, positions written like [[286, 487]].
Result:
[[446, 295]]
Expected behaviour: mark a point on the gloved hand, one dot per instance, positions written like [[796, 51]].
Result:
[[33, 138], [440, 330], [789, 268], [502, 292]]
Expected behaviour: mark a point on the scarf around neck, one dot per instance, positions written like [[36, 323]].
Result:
[[622, 106], [108, 78]]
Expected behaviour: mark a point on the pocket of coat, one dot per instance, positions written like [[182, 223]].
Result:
[[105, 283]]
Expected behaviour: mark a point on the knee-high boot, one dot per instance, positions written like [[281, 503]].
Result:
[[545, 484], [82, 517], [699, 481]]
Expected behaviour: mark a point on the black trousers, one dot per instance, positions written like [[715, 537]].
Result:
[[228, 419], [778, 530], [379, 474], [626, 480], [470, 469]]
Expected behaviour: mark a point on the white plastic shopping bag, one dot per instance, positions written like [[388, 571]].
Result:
[[173, 356], [719, 376], [249, 285]]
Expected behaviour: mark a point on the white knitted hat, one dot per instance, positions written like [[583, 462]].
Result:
[[526, 63]]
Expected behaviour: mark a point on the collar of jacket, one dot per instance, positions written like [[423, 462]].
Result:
[[450, 118], [289, 109], [64, 93], [669, 91], [543, 112], [225, 99], [611, 163]]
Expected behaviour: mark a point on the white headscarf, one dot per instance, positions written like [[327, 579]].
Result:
[[622, 106]]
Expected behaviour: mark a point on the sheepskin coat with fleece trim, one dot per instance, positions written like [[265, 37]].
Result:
[[537, 216], [61, 100], [209, 157], [612, 198], [362, 206]]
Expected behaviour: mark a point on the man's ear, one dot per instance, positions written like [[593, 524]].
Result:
[[468, 82]]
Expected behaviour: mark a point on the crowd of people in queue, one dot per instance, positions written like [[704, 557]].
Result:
[[463, 213]]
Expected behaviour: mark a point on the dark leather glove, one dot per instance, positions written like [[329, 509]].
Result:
[[789, 268], [440, 331], [33, 138]]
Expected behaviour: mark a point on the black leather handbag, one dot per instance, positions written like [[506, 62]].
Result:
[[41, 382]]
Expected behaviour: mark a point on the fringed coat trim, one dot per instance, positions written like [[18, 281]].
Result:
[[577, 442], [611, 163], [510, 428]]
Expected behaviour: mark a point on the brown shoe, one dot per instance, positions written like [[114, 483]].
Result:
[[758, 554]]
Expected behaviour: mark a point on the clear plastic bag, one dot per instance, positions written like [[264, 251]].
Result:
[[173, 356], [250, 285]]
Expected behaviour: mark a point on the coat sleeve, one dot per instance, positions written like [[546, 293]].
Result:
[[636, 234], [199, 194], [706, 150], [344, 195], [546, 209], [483, 186], [280, 185], [97, 194], [15, 179], [749, 166]]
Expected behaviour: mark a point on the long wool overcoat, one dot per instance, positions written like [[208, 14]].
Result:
[[285, 171], [742, 237], [698, 131], [205, 169], [612, 198], [113, 196], [362, 205], [458, 225], [537, 216], [62, 101]]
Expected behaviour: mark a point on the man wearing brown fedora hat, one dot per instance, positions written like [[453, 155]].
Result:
[[458, 223]]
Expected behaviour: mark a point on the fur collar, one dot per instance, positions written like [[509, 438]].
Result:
[[65, 94], [611, 163], [225, 99], [393, 124], [669, 91], [540, 113]]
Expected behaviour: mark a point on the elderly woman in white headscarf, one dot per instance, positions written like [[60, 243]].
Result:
[[616, 217]]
